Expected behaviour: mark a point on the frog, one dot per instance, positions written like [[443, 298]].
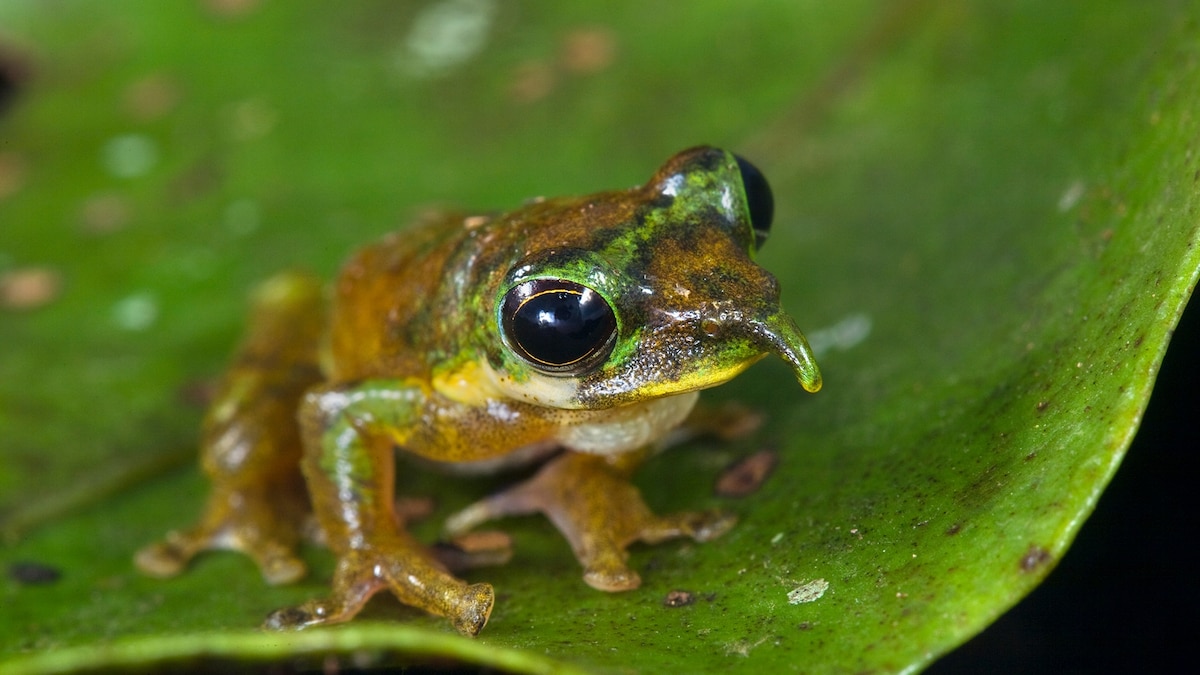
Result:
[[571, 335]]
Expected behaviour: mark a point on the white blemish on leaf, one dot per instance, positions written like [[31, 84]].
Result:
[[135, 312], [843, 335], [129, 155], [808, 592], [1071, 196], [446, 35]]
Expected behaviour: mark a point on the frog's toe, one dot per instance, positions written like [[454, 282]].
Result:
[[611, 579], [341, 606], [163, 559], [699, 525], [709, 525], [519, 500], [312, 613], [279, 565], [290, 618], [474, 609]]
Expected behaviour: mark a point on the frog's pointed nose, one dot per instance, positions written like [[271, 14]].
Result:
[[781, 336]]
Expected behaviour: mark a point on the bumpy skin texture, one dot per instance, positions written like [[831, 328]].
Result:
[[417, 356]]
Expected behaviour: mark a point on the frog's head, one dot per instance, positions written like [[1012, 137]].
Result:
[[625, 296]]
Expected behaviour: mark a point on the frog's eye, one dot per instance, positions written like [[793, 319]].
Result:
[[558, 326], [759, 199]]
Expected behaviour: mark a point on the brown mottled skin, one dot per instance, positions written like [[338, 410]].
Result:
[[415, 351]]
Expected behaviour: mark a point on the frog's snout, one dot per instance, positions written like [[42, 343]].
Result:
[[778, 334]]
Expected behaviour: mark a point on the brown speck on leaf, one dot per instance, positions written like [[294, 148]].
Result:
[[532, 81], [588, 50], [12, 174], [196, 181], [475, 549], [104, 213], [231, 9], [953, 529], [678, 598], [1034, 558], [747, 475], [483, 540], [152, 97], [250, 119], [29, 287], [1042, 405]]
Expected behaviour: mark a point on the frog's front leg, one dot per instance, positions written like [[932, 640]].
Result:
[[591, 500], [349, 464]]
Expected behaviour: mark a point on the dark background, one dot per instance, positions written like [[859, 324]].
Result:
[[1124, 598]]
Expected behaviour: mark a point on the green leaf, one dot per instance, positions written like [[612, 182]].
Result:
[[986, 222]]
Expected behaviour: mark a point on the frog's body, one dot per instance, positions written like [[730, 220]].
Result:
[[586, 324]]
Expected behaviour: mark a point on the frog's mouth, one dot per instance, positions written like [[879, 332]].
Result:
[[707, 354]]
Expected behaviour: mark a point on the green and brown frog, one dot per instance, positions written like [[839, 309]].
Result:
[[575, 332]]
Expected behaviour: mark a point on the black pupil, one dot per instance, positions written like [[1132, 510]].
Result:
[[759, 199], [557, 324]]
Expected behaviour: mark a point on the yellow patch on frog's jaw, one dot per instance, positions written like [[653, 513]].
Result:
[[695, 381], [470, 384], [545, 390]]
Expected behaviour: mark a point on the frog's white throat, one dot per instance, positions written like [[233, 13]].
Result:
[[628, 427], [606, 431]]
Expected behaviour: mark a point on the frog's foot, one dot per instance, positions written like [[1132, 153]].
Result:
[[599, 512], [409, 574], [723, 421], [262, 530]]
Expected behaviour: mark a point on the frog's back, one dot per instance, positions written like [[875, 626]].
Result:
[[384, 301]]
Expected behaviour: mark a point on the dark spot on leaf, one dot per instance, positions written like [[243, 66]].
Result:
[[1042, 405], [1034, 558], [678, 599], [747, 475], [14, 72], [33, 573], [1137, 342], [804, 625], [1030, 456], [953, 529]]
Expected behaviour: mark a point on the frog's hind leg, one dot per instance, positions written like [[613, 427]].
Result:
[[251, 444], [590, 499]]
